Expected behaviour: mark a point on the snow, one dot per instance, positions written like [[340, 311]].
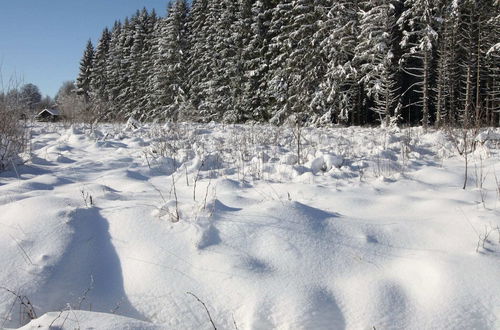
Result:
[[118, 227]]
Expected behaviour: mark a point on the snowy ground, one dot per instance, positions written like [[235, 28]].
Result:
[[123, 227]]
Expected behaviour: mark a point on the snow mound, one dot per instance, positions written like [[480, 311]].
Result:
[[370, 228], [69, 320]]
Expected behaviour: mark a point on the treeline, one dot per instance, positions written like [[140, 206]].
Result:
[[428, 62], [25, 100]]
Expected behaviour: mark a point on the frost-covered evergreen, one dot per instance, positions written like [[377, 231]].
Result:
[[198, 59], [306, 63], [278, 52], [139, 63], [254, 103], [420, 23], [85, 76], [238, 79], [340, 91], [113, 71], [475, 42], [169, 95], [99, 76], [375, 56], [222, 61], [122, 100], [327, 61]]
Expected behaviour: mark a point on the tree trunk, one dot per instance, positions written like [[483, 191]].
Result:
[[425, 107], [478, 80], [468, 98]]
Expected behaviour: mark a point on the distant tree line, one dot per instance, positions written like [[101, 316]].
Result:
[[355, 62], [25, 99]]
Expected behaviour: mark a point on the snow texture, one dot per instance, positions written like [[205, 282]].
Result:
[[111, 228]]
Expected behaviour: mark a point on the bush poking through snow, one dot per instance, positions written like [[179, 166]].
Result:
[[13, 139]]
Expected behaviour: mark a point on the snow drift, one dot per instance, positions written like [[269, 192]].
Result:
[[368, 228]]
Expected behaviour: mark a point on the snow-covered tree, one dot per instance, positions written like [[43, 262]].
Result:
[[169, 76], [85, 76], [340, 93], [492, 64], [278, 52], [306, 62], [99, 76], [220, 57], [420, 23], [447, 82], [113, 71], [238, 54], [30, 96], [140, 62], [254, 103], [198, 60], [474, 42], [375, 57]]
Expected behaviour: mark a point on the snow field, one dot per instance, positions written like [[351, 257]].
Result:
[[369, 228]]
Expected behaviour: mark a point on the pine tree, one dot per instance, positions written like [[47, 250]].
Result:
[[420, 24], [375, 57], [139, 61], [99, 77], [256, 56], [278, 52], [170, 71], [113, 71], [446, 90], [492, 102], [218, 99], [475, 43], [121, 67], [340, 94], [85, 76], [306, 62], [147, 70], [198, 61]]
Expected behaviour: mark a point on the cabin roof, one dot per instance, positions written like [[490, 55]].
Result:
[[53, 112]]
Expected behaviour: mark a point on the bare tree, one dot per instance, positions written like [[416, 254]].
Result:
[[13, 137]]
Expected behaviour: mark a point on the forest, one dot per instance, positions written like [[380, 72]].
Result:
[[350, 62], [256, 164]]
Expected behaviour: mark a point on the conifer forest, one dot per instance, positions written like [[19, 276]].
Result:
[[350, 62]]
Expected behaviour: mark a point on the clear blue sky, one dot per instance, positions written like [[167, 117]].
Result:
[[42, 41]]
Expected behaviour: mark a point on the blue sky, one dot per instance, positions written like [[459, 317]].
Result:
[[42, 41]]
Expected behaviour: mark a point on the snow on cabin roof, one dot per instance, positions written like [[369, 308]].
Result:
[[53, 112]]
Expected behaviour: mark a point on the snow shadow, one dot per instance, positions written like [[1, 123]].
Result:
[[89, 275]]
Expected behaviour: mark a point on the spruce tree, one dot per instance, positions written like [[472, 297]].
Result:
[[306, 63], [198, 61], [340, 93], [492, 99], [169, 91], [254, 101], [220, 57], [447, 82], [375, 57], [85, 76], [237, 57], [113, 71], [278, 52], [99, 77], [475, 43], [138, 61], [420, 24]]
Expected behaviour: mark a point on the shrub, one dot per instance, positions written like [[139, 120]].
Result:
[[13, 139]]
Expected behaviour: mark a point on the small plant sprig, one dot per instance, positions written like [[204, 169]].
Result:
[[87, 198], [26, 308]]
